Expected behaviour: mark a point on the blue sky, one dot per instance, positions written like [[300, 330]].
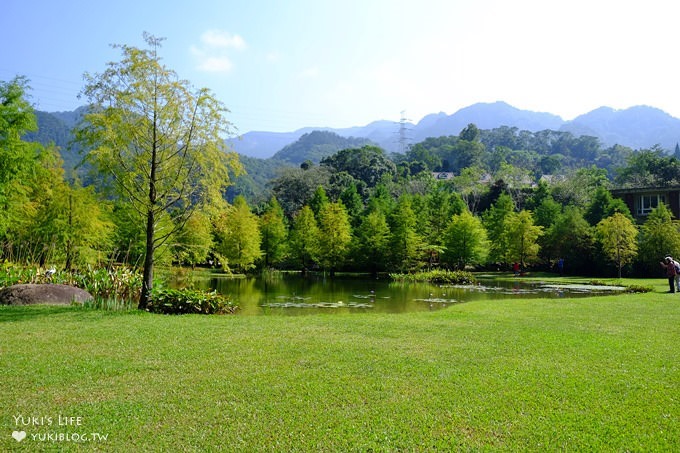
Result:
[[283, 65]]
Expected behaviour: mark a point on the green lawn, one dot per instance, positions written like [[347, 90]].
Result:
[[587, 374]]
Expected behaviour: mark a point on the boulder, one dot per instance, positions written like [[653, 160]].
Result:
[[52, 294]]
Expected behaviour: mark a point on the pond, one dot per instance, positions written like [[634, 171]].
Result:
[[292, 294]]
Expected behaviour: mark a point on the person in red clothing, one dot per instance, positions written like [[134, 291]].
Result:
[[677, 273], [669, 265]]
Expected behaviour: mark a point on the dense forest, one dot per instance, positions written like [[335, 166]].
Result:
[[478, 199], [517, 156]]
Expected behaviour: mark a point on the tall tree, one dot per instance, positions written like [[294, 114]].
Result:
[[516, 179], [523, 237], [547, 211], [659, 237], [467, 154], [440, 205], [618, 237], [579, 186], [648, 168], [71, 224], [319, 200], [295, 187], [195, 240], [274, 233], [470, 133], [336, 234], [17, 157], [238, 234], [372, 242], [603, 205], [406, 244], [160, 140], [368, 164], [381, 199], [304, 238], [465, 240], [40, 213], [496, 222], [569, 237], [352, 200], [470, 186]]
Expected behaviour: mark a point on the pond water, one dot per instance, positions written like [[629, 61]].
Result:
[[290, 294]]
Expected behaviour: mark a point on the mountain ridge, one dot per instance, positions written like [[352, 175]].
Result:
[[636, 127]]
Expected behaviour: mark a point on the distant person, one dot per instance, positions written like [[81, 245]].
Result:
[[560, 266], [677, 273], [515, 268], [669, 265]]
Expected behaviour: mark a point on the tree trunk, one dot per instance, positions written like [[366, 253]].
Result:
[[69, 241], [147, 281]]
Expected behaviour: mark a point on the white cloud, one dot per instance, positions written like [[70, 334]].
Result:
[[219, 39], [309, 73], [213, 53]]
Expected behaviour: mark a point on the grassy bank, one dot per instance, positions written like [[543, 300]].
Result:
[[571, 374]]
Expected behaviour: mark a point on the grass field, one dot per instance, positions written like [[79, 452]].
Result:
[[587, 374]]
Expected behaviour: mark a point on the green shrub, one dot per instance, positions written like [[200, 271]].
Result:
[[639, 289], [438, 276], [184, 301]]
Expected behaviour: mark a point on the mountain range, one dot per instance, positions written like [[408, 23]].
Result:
[[637, 127]]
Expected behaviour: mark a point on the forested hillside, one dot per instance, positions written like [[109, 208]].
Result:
[[476, 199], [534, 154], [53, 130], [316, 145], [505, 152]]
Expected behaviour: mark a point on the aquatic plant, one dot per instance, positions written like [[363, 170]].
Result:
[[438, 276], [115, 283], [185, 301], [639, 289]]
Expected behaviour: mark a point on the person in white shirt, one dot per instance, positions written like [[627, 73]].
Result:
[[677, 272]]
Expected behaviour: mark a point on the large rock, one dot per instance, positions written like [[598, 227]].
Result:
[[42, 294]]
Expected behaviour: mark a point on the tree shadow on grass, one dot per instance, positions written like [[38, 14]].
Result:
[[15, 313]]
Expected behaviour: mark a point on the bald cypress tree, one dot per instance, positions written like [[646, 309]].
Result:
[[335, 235], [159, 140]]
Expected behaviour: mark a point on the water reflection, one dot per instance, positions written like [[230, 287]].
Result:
[[289, 294]]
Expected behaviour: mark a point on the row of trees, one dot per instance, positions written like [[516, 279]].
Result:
[[351, 212], [360, 215], [156, 146], [415, 232]]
